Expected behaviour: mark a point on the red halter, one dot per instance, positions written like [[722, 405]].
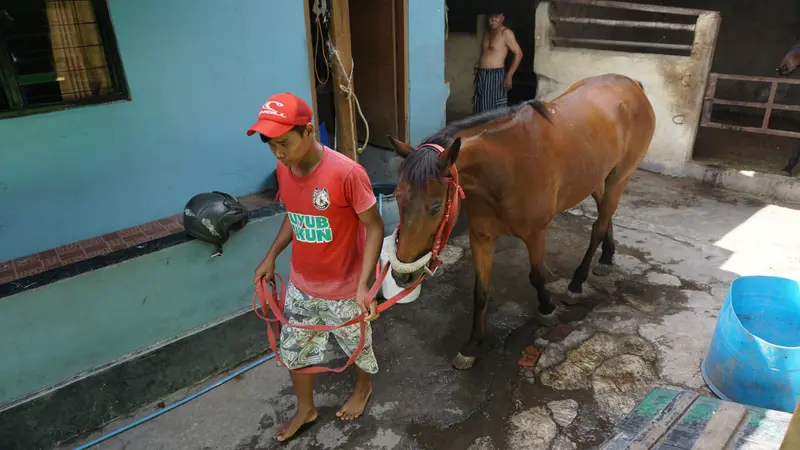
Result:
[[454, 196]]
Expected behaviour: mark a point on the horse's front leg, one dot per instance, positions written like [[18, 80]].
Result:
[[482, 257], [547, 312]]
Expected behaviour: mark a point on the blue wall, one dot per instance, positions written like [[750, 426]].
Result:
[[198, 72], [59, 330], [426, 85]]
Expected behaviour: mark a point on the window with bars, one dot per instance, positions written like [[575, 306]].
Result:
[[55, 54]]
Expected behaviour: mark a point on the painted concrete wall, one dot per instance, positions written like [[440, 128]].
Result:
[[463, 51], [198, 73], [675, 85], [62, 329], [427, 90]]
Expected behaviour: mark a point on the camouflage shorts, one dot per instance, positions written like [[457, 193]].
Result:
[[302, 348]]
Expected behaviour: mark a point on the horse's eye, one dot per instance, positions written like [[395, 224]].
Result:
[[436, 209]]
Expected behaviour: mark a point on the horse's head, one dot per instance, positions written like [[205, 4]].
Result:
[[422, 199], [790, 62]]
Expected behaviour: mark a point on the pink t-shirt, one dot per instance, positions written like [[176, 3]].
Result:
[[328, 239]]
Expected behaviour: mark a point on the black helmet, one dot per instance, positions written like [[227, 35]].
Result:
[[211, 216]]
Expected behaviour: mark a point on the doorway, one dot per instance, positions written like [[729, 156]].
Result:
[[380, 68], [466, 23]]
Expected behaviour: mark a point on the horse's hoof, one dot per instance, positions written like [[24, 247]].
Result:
[[603, 270], [573, 298], [548, 320], [462, 362], [786, 172]]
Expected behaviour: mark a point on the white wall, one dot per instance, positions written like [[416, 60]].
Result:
[[462, 51], [675, 85]]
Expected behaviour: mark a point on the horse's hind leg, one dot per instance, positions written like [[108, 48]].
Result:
[[607, 257], [605, 210], [535, 243], [482, 256], [792, 161]]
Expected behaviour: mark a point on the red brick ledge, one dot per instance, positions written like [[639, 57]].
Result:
[[89, 248]]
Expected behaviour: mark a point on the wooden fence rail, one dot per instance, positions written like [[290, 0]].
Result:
[[709, 100], [638, 24]]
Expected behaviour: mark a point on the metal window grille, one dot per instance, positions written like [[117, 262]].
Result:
[[55, 54], [624, 26]]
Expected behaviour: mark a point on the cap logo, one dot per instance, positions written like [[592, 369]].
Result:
[[270, 110]]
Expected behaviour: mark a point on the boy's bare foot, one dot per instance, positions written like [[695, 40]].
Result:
[[287, 430], [356, 404]]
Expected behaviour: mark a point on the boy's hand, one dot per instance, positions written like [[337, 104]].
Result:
[[370, 312], [265, 270]]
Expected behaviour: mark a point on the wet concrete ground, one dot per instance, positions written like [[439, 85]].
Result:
[[647, 324]]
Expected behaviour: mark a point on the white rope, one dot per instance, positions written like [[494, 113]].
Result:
[[350, 92], [401, 267], [317, 39]]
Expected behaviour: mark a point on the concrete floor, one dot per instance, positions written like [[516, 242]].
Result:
[[647, 324]]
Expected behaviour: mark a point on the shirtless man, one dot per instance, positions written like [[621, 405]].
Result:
[[491, 80]]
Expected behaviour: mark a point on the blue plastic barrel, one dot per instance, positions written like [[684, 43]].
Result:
[[323, 135], [754, 357]]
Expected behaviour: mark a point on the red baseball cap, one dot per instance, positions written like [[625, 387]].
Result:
[[281, 113]]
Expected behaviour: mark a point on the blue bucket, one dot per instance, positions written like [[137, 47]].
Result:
[[754, 357]]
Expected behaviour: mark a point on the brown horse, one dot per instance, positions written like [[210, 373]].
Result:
[[788, 65], [519, 166]]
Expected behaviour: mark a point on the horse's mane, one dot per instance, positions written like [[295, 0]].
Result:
[[422, 165]]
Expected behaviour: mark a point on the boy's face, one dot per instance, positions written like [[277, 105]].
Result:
[[291, 147]]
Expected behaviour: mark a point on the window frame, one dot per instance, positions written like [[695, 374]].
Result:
[[116, 72]]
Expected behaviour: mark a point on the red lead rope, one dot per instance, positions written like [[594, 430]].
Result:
[[269, 300]]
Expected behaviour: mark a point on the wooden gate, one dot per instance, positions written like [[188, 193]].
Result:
[[710, 99]]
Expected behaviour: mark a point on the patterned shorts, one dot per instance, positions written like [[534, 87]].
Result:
[[302, 348]]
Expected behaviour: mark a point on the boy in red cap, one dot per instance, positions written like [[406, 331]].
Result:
[[336, 234]]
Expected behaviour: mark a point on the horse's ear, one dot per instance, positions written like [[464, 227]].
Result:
[[400, 147], [448, 158]]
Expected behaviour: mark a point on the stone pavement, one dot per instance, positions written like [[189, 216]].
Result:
[[646, 324]]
